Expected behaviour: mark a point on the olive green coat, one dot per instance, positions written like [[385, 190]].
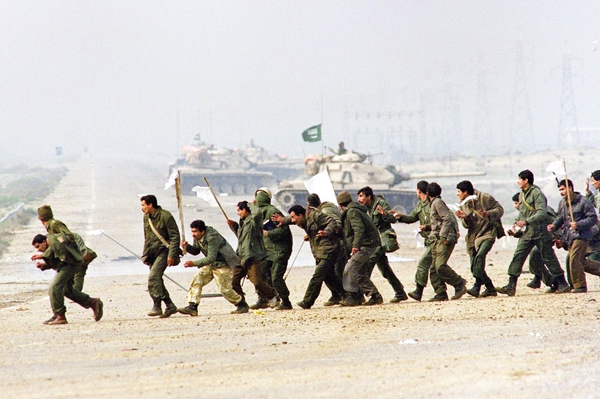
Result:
[[443, 225], [251, 245], [481, 228], [382, 222], [533, 211], [359, 230], [422, 215], [216, 250], [278, 241], [165, 224]]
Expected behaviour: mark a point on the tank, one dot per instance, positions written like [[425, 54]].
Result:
[[350, 171], [227, 171], [280, 166]]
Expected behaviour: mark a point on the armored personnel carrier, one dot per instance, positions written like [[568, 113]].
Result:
[[227, 171], [350, 171]]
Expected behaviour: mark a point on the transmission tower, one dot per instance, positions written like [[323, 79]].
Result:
[[568, 118], [521, 126]]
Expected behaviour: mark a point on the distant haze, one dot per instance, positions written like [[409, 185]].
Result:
[[409, 79]]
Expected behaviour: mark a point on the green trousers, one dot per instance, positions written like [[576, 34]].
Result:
[[425, 263], [380, 259], [441, 273], [273, 272], [523, 249], [61, 287], [156, 284], [538, 269], [324, 273], [478, 255]]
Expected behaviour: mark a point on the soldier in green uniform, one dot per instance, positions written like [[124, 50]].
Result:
[[88, 255], [362, 238], [481, 216], [218, 262], [420, 214], [161, 250], [378, 209], [251, 251], [278, 243], [322, 234], [444, 230], [593, 198], [532, 218]]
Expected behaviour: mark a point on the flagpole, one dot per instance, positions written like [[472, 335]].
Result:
[[180, 206], [567, 188]]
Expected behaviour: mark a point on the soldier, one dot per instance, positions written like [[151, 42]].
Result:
[[278, 243], [88, 255], [378, 209], [578, 221], [532, 216], [420, 214], [161, 250], [251, 251], [59, 252], [322, 234], [444, 230], [480, 214], [219, 259], [362, 238], [593, 198]]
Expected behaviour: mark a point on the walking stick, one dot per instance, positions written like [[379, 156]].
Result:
[[294, 261], [180, 206]]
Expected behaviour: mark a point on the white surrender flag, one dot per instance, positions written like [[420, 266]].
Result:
[[557, 168], [320, 184], [205, 194], [171, 182]]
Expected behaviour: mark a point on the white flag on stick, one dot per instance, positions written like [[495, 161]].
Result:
[[320, 184], [557, 168], [171, 182], [205, 194]]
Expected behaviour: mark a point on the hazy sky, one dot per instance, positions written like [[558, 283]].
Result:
[[120, 76]]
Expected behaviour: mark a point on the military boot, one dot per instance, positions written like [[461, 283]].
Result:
[[352, 299], [169, 309], [460, 290], [511, 288], [60, 319], [474, 290], [441, 297], [50, 319], [490, 290], [191, 309], [417, 294], [242, 307], [376, 299], [262, 303], [97, 307], [156, 309], [285, 304], [334, 300], [561, 285], [399, 297], [535, 283]]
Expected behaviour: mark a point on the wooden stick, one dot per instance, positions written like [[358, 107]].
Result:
[[180, 206], [294, 261], [216, 199]]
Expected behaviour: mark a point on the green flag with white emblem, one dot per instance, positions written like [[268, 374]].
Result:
[[312, 134]]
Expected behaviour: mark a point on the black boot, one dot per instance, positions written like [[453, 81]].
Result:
[[561, 284], [490, 290], [511, 288], [474, 290], [285, 304], [441, 297], [191, 309], [169, 309], [352, 299], [242, 307], [376, 299], [156, 309], [399, 297], [417, 294], [535, 283], [262, 303]]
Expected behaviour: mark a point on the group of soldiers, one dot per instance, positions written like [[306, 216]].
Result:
[[347, 241]]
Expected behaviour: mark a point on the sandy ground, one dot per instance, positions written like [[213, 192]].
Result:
[[532, 345]]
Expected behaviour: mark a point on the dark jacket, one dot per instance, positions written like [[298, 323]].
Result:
[[443, 225], [359, 230], [583, 213], [217, 251]]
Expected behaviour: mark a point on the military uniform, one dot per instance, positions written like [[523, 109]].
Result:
[[383, 223], [278, 243], [533, 210], [88, 256], [155, 253], [536, 263], [325, 250], [481, 235], [332, 210], [421, 214], [360, 233], [218, 262], [251, 251]]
